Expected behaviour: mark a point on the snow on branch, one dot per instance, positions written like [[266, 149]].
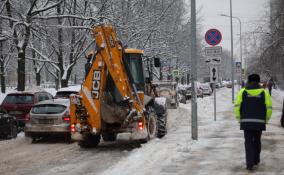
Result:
[[41, 60], [52, 73], [9, 18], [46, 8], [64, 76], [3, 38], [46, 59], [68, 27], [86, 18]]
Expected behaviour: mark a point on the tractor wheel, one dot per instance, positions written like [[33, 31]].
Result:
[[152, 125], [90, 141], [162, 125]]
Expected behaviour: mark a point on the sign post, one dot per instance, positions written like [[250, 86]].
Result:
[[213, 37], [213, 80], [239, 72]]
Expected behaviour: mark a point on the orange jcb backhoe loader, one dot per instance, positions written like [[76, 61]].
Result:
[[115, 97]]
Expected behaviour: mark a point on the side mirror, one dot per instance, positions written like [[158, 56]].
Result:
[[157, 62]]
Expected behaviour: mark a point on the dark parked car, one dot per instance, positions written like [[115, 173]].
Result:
[[49, 117], [189, 92], [8, 125], [19, 104]]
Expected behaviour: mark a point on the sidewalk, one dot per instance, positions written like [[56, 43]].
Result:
[[222, 152]]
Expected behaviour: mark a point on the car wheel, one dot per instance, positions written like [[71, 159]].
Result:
[[34, 139], [14, 132]]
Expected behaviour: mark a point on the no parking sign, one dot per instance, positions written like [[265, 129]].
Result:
[[213, 37]]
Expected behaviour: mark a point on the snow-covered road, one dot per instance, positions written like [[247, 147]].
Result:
[[219, 149]]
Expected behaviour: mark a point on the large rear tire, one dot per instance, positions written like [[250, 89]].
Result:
[[152, 125], [90, 141], [162, 125]]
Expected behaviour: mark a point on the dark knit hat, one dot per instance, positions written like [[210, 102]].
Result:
[[254, 78]]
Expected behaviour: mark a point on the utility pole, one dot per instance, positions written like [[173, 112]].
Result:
[[241, 49], [241, 46], [194, 130], [232, 53]]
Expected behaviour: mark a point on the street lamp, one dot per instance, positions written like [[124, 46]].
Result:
[[194, 126], [232, 53], [241, 48]]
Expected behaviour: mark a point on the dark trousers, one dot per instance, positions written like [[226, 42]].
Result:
[[270, 89], [252, 146]]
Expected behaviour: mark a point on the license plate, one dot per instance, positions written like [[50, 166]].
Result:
[[46, 121], [16, 112]]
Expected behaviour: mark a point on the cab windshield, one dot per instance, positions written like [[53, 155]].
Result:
[[135, 65]]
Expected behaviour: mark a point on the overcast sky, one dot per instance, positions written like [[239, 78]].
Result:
[[251, 12]]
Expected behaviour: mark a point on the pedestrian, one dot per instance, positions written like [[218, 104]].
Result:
[[253, 109], [270, 84], [243, 84]]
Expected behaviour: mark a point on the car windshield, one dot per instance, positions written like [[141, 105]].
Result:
[[64, 94], [19, 99], [48, 109]]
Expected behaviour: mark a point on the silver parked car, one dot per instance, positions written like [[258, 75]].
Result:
[[50, 117], [67, 91], [206, 89]]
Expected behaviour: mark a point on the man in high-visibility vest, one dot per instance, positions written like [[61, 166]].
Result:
[[253, 109]]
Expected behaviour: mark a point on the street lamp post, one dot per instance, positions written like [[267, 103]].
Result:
[[194, 127], [241, 46], [232, 53]]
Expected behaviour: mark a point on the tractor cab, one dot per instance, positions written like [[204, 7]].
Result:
[[134, 65]]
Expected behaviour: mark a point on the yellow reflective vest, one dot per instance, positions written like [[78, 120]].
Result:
[[253, 92]]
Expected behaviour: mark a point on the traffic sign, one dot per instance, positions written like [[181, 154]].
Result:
[[238, 67], [175, 72], [214, 60], [213, 37], [213, 74], [213, 51]]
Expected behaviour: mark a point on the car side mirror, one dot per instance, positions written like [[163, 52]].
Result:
[[157, 62]]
